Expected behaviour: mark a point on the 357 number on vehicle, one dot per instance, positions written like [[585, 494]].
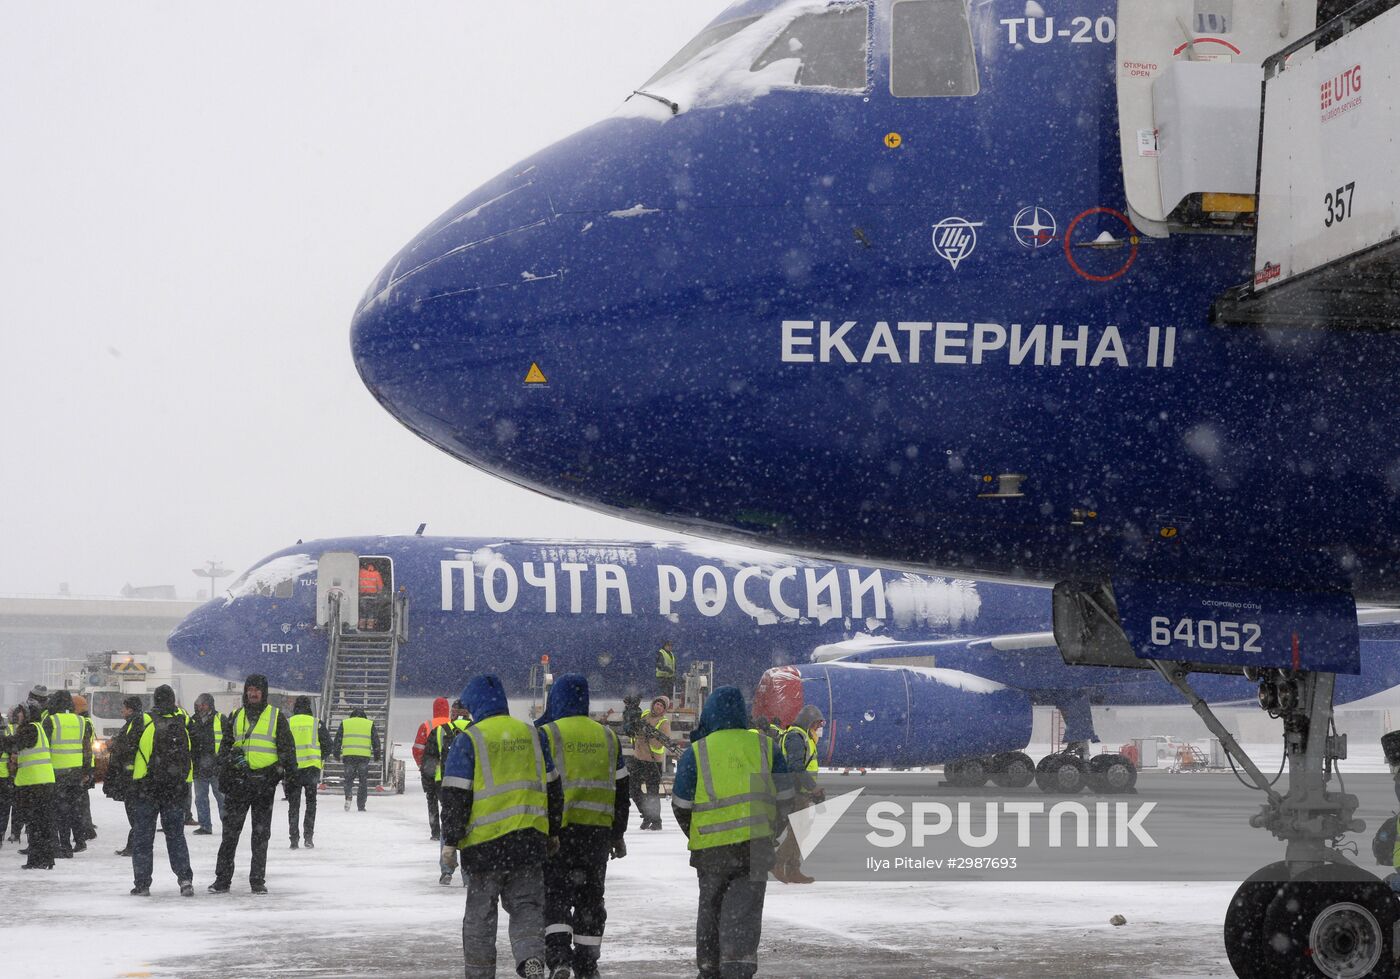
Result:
[[1207, 634], [1337, 204]]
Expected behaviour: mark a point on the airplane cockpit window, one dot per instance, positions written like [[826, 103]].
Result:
[[275, 579], [702, 42], [828, 48], [931, 51]]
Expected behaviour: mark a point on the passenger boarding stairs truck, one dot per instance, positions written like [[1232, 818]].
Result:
[[363, 639]]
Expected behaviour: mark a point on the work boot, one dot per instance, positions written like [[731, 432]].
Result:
[[294, 843], [435, 836], [218, 887], [139, 891], [347, 805], [38, 866], [532, 968], [64, 854], [202, 832], [445, 878], [308, 844], [79, 847], [187, 888], [258, 888], [120, 853]]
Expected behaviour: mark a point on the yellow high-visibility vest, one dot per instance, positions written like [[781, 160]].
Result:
[[306, 732], [585, 756], [66, 747], [735, 796], [355, 740], [35, 764], [260, 744], [508, 781]]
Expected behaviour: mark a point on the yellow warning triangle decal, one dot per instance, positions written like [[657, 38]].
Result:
[[534, 375]]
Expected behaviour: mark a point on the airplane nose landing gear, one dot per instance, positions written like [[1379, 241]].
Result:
[[1315, 913]]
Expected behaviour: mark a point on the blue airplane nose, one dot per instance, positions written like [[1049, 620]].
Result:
[[202, 630]]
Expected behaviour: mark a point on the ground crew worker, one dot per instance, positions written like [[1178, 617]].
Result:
[[371, 590], [309, 735], [7, 779], [647, 762], [665, 671], [593, 776], [356, 742], [799, 750], [120, 763], [430, 776], [34, 785], [258, 752], [730, 798], [80, 707], [206, 739], [70, 748], [501, 808], [434, 757], [159, 777]]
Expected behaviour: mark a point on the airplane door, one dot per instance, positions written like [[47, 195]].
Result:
[[339, 570]]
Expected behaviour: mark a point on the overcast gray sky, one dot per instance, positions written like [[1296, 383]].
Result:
[[196, 195]]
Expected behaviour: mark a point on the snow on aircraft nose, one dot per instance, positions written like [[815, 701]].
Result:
[[208, 627]]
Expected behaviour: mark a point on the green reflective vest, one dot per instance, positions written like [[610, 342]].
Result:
[[66, 747], [307, 734], [665, 663], [35, 764], [218, 732], [799, 764], [147, 744], [455, 726], [585, 756], [1395, 854], [355, 740], [508, 781], [8, 731], [735, 796], [260, 744]]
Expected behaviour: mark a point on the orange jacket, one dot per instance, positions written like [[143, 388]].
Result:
[[441, 715], [371, 581]]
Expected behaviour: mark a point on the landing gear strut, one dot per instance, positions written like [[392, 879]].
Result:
[[1315, 913]]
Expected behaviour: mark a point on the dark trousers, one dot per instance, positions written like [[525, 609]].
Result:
[[645, 775], [574, 913], [7, 802], [235, 814], [303, 783], [85, 815], [130, 823], [729, 924], [430, 789], [357, 768], [35, 804], [172, 817], [67, 808]]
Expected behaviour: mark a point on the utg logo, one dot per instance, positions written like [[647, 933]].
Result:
[[1343, 87]]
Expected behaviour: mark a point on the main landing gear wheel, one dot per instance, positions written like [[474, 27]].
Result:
[[1013, 770], [1336, 922], [1111, 774], [1244, 921], [1060, 774], [971, 773]]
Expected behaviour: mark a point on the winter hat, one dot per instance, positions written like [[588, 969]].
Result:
[[133, 702], [204, 700], [80, 704], [165, 697]]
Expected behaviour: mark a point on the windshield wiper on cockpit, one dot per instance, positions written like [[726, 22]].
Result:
[[675, 109]]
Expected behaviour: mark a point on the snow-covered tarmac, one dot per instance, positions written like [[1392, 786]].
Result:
[[366, 902]]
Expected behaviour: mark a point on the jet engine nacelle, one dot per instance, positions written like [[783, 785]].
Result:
[[898, 716]]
